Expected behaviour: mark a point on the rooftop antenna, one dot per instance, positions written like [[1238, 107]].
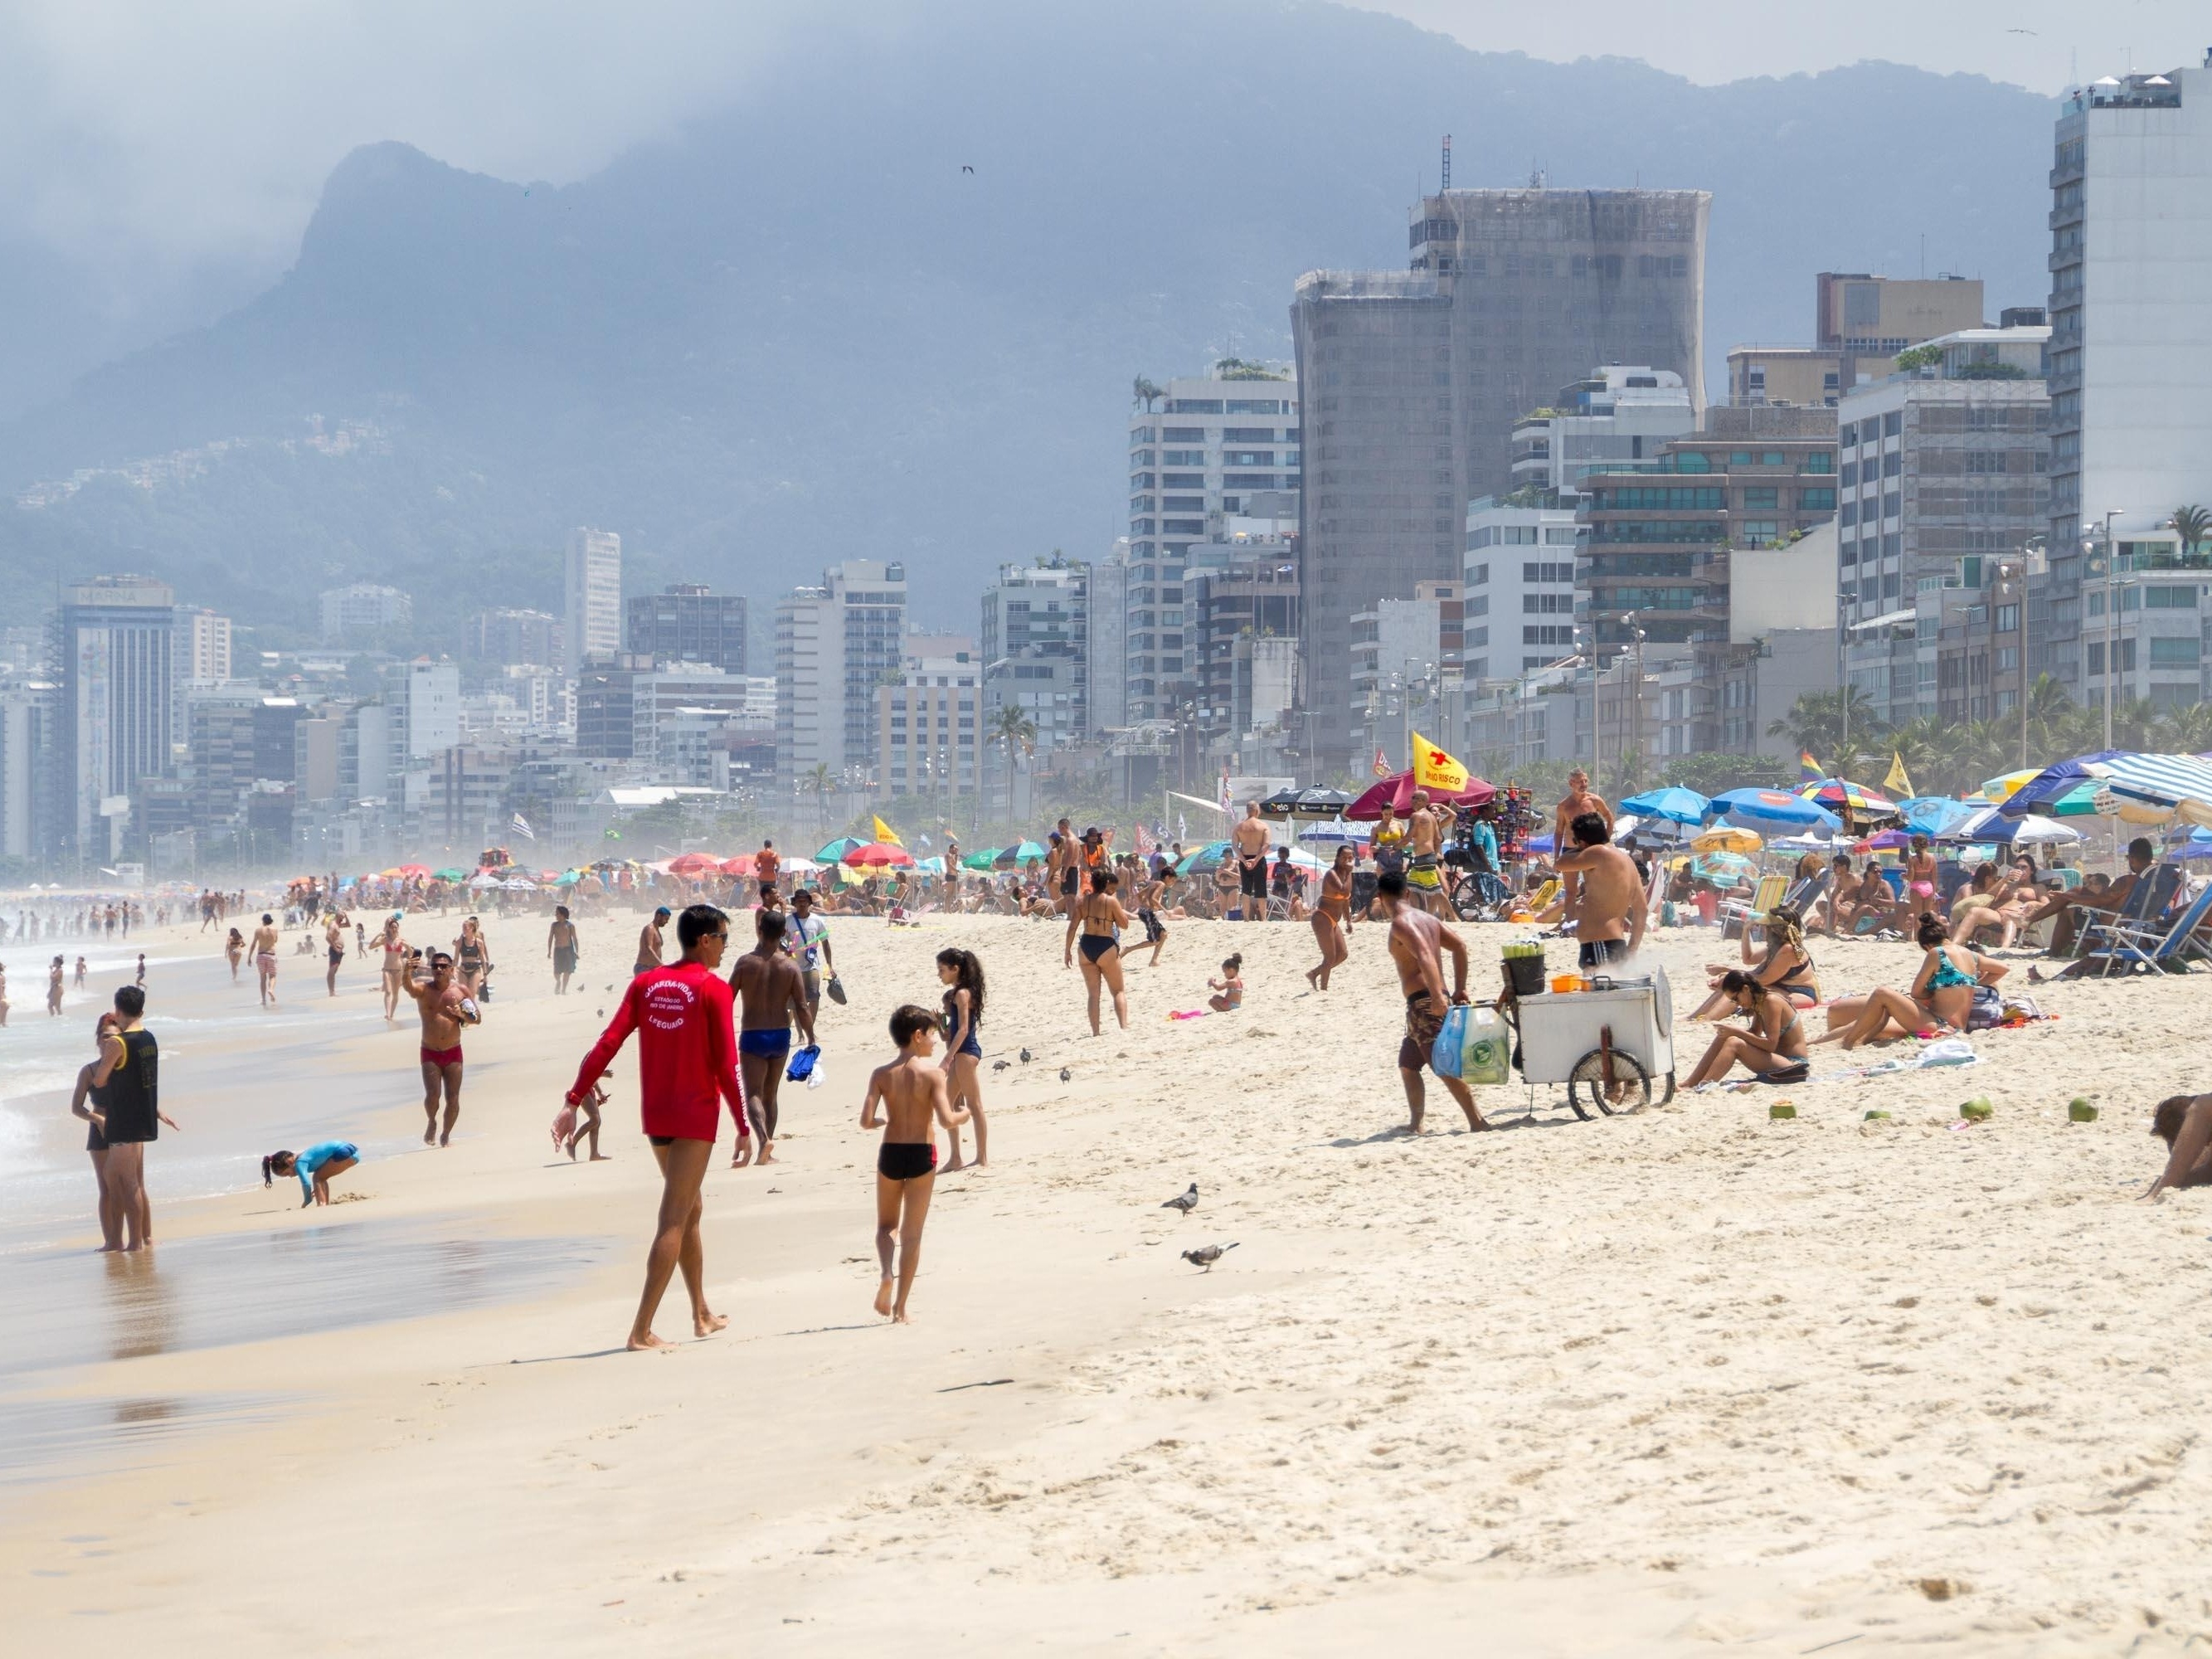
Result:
[[1447, 183], [1537, 179]]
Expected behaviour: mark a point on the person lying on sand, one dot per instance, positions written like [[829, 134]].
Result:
[[1941, 996], [2184, 1122]]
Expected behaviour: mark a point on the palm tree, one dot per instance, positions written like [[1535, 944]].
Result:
[[1815, 724], [817, 783], [2186, 730], [1012, 728], [2193, 525], [2050, 717], [2133, 721], [1144, 391]]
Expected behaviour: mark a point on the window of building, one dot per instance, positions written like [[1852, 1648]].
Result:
[[2170, 599], [1819, 461], [1182, 457], [1478, 575], [1892, 423], [1477, 606], [1755, 532], [1561, 536], [1183, 435], [1816, 501], [1767, 496], [2181, 653], [1851, 474], [1847, 434]]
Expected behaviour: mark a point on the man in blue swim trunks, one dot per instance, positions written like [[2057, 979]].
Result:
[[773, 993]]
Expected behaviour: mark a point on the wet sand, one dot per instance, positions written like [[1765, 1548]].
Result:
[[1658, 1383]]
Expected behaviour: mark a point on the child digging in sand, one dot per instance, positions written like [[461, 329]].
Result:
[[1230, 986], [912, 1093]]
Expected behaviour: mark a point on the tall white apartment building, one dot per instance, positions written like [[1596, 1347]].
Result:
[[1615, 413], [1036, 647], [929, 727], [2130, 357], [1211, 443], [592, 601], [1518, 601], [835, 644], [203, 645], [425, 699]]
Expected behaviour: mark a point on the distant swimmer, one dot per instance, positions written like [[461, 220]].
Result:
[[264, 958], [913, 1096], [445, 1009], [687, 1071], [315, 1167]]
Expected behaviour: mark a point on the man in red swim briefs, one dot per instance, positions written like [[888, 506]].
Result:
[[687, 1056], [445, 1009]]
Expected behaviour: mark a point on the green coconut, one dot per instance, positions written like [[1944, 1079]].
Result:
[[1976, 1110], [1781, 1109]]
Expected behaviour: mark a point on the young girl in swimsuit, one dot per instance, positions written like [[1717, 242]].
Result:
[[962, 970], [1786, 966], [1095, 921], [314, 1167], [1772, 1048], [1941, 997], [1231, 986], [1332, 919], [912, 1093]]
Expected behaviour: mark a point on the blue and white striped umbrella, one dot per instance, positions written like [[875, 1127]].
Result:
[[2179, 781]]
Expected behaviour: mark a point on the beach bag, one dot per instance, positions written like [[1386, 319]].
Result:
[[836, 989], [1988, 1009], [1448, 1052], [1485, 1054]]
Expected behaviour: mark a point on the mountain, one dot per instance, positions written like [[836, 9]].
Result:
[[802, 331]]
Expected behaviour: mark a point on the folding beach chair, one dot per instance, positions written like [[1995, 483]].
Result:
[[2151, 897], [1735, 917], [2156, 943]]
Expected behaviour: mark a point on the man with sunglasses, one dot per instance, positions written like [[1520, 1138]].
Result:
[[687, 1071], [444, 1008]]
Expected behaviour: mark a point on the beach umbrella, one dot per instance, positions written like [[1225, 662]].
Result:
[[2055, 781], [694, 864], [1542, 843], [1769, 809], [1931, 815], [1335, 830], [1841, 794], [1726, 838], [981, 860], [2182, 783], [1021, 853], [740, 865], [2197, 846], [567, 879], [1672, 805], [449, 874], [1998, 787], [1721, 868], [1397, 792], [879, 855], [1202, 860], [1887, 842], [1991, 827], [837, 850], [518, 884], [483, 881], [1314, 802], [934, 865]]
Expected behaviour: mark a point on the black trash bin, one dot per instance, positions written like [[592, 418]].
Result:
[[1525, 975]]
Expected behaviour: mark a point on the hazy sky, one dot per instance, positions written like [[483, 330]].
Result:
[[139, 138]]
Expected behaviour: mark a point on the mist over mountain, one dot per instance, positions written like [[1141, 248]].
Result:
[[801, 331]]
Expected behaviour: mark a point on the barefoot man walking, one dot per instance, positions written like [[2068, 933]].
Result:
[[774, 993], [445, 1009], [265, 959], [687, 1069], [1417, 942], [1578, 800]]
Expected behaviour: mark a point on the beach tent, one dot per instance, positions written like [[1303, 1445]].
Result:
[[1769, 809]]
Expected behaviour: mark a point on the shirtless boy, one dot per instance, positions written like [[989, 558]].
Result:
[[445, 1009], [560, 945], [648, 943], [395, 963], [1578, 800], [687, 1070], [912, 1092], [1417, 942], [1611, 917], [774, 993], [263, 951]]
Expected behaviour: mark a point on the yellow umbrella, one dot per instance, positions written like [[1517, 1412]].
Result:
[[1726, 838], [2001, 788]]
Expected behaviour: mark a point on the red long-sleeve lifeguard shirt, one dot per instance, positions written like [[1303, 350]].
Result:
[[687, 1052]]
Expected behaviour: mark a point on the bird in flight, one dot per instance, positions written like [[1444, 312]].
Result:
[[964, 167], [2019, 31]]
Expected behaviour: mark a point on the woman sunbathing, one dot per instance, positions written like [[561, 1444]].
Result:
[[2011, 901], [1941, 997], [1785, 966], [1772, 1048]]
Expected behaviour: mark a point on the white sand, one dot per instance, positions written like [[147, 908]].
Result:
[[1680, 1380]]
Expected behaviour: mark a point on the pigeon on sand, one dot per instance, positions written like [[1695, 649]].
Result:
[[1206, 1254], [1186, 1202]]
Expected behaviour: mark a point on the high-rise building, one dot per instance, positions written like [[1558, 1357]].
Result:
[[1412, 382], [1860, 323], [687, 622], [425, 699], [1035, 647], [202, 650], [30, 711], [1214, 445], [1937, 466], [1241, 588], [1661, 535], [1109, 636], [591, 597], [928, 734], [118, 683], [1518, 609], [2130, 428], [361, 609], [513, 637], [1614, 414], [835, 644]]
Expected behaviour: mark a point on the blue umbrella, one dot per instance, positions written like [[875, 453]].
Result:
[[835, 851], [1769, 809], [2043, 791], [2180, 781], [1935, 815], [1676, 806]]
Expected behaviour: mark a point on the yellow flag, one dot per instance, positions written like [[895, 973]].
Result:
[[1898, 778], [885, 834], [1434, 769]]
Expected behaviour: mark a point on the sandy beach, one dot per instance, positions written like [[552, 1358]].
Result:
[[1682, 1381]]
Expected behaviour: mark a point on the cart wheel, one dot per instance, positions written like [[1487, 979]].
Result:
[[1668, 1096], [1466, 899], [1631, 1084]]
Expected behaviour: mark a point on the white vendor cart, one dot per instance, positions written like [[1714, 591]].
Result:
[[1606, 1044]]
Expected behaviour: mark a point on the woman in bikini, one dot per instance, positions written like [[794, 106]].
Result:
[[471, 956], [234, 952], [962, 971], [1919, 893], [1332, 918], [1095, 923], [1772, 1048], [1786, 967], [1941, 997]]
